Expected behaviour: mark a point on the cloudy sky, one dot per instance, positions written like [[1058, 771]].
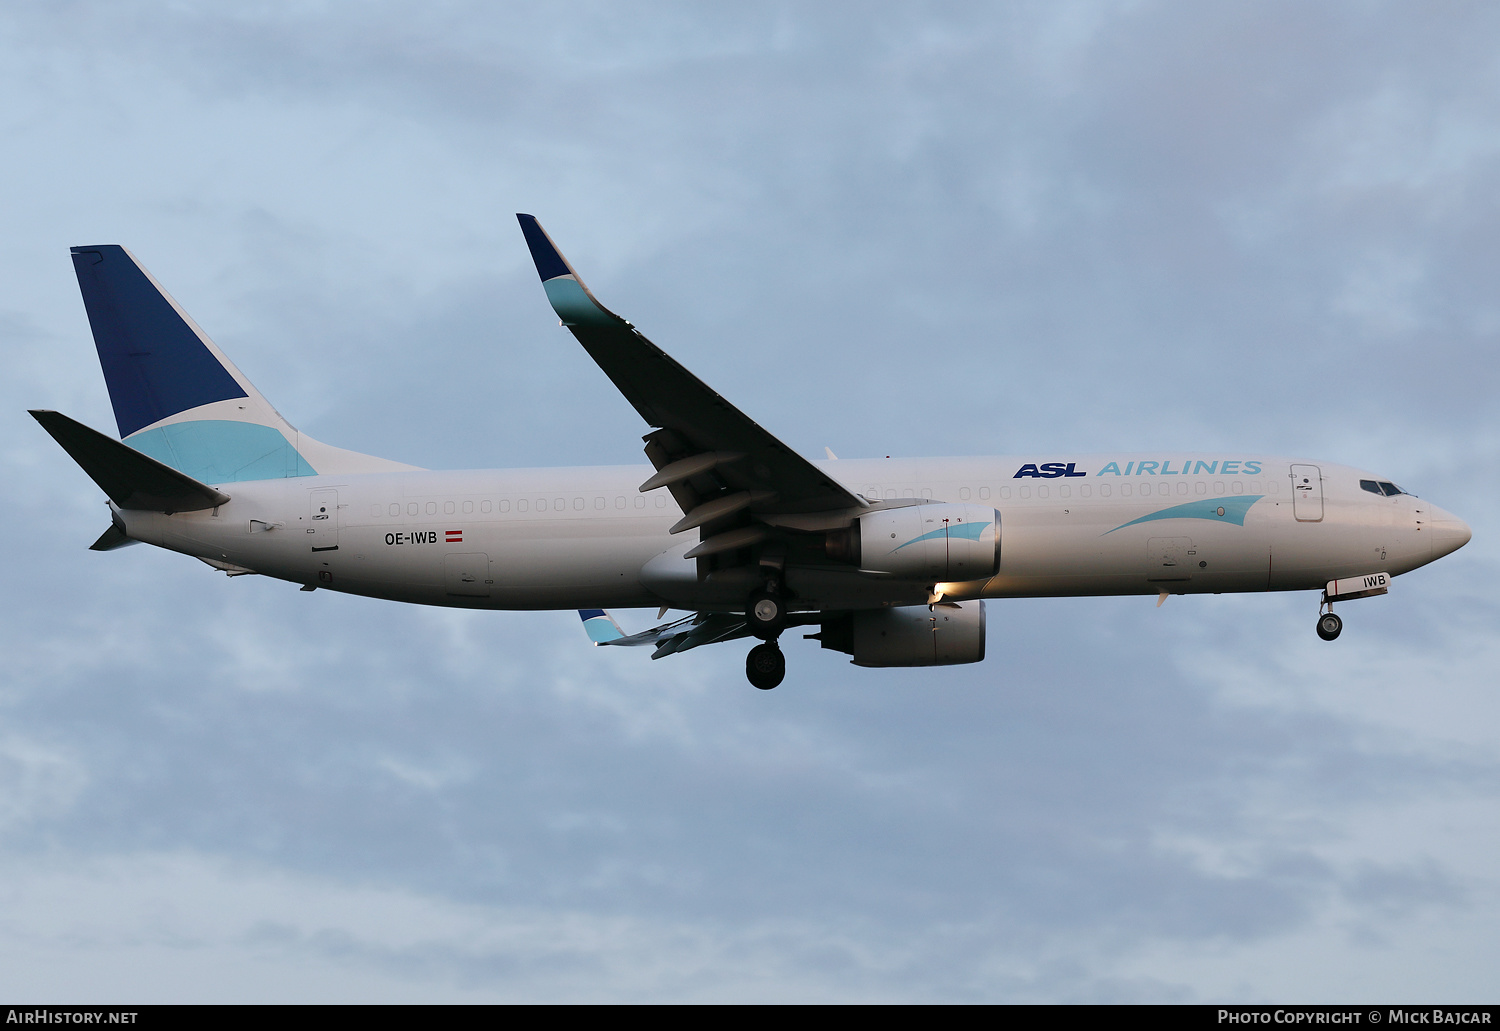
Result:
[[888, 229]]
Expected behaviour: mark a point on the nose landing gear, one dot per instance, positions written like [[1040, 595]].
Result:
[[1329, 626]]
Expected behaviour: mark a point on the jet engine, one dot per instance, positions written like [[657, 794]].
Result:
[[909, 635], [933, 543]]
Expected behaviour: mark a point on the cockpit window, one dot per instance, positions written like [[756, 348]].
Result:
[[1383, 487]]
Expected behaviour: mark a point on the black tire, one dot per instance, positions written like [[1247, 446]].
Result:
[[765, 666], [766, 612], [1329, 626]]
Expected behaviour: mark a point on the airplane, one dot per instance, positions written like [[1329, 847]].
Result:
[[887, 560]]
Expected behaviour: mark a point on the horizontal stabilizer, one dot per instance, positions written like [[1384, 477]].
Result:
[[111, 539], [131, 479]]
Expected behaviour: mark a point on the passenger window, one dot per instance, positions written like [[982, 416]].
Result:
[[1005, 493], [1200, 487], [1085, 491], [394, 510], [619, 501], [1254, 486], [1026, 492], [411, 508], [468, 507], [541, 504], [927, 493], [578, 504], [1066, 492], [661, 501], [1238, 486], [447, 508], [432, 508], [984, 494], [1181, 487], [561, 504], [520, 504], [1218, 486], [909, 493], [1104, 490], [963, 493], [1124, 490], [1041, 491], [1163, 489], [640, 502], [484, 506]]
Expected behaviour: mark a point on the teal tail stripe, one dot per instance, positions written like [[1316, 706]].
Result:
[[963, 531], [220, 451], [1221, 510]]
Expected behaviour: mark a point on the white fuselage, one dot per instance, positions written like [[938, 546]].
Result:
[[584, 537]]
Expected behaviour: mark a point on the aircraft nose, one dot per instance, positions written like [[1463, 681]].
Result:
[[1449, 533]]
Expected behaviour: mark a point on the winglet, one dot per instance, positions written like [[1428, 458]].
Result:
[[600, 626], [574, 303]]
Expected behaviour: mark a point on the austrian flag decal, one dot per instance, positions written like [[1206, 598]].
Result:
[[454, 536]]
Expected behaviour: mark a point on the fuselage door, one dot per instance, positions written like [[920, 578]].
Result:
[[323, 520], [1307, 493]]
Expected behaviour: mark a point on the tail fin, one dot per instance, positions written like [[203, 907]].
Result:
[[177, 398]]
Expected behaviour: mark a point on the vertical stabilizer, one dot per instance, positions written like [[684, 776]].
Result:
[[177, 398]]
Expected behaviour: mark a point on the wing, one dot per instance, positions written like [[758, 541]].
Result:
[[718, 463], [680, 635]]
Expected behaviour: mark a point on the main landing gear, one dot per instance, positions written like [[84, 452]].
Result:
[[765, 666], [766, 613]]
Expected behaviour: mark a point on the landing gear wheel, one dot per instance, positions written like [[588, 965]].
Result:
[[767, 615], [1329, 626], [765, 665]]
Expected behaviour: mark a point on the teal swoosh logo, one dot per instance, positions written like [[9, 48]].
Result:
[[963, 531], [1221, 510]]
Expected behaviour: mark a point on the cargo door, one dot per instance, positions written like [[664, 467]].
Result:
[[467, 575], [1170, 559]]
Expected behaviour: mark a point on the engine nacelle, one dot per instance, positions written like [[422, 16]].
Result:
[[932, 543], [910, 635]]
